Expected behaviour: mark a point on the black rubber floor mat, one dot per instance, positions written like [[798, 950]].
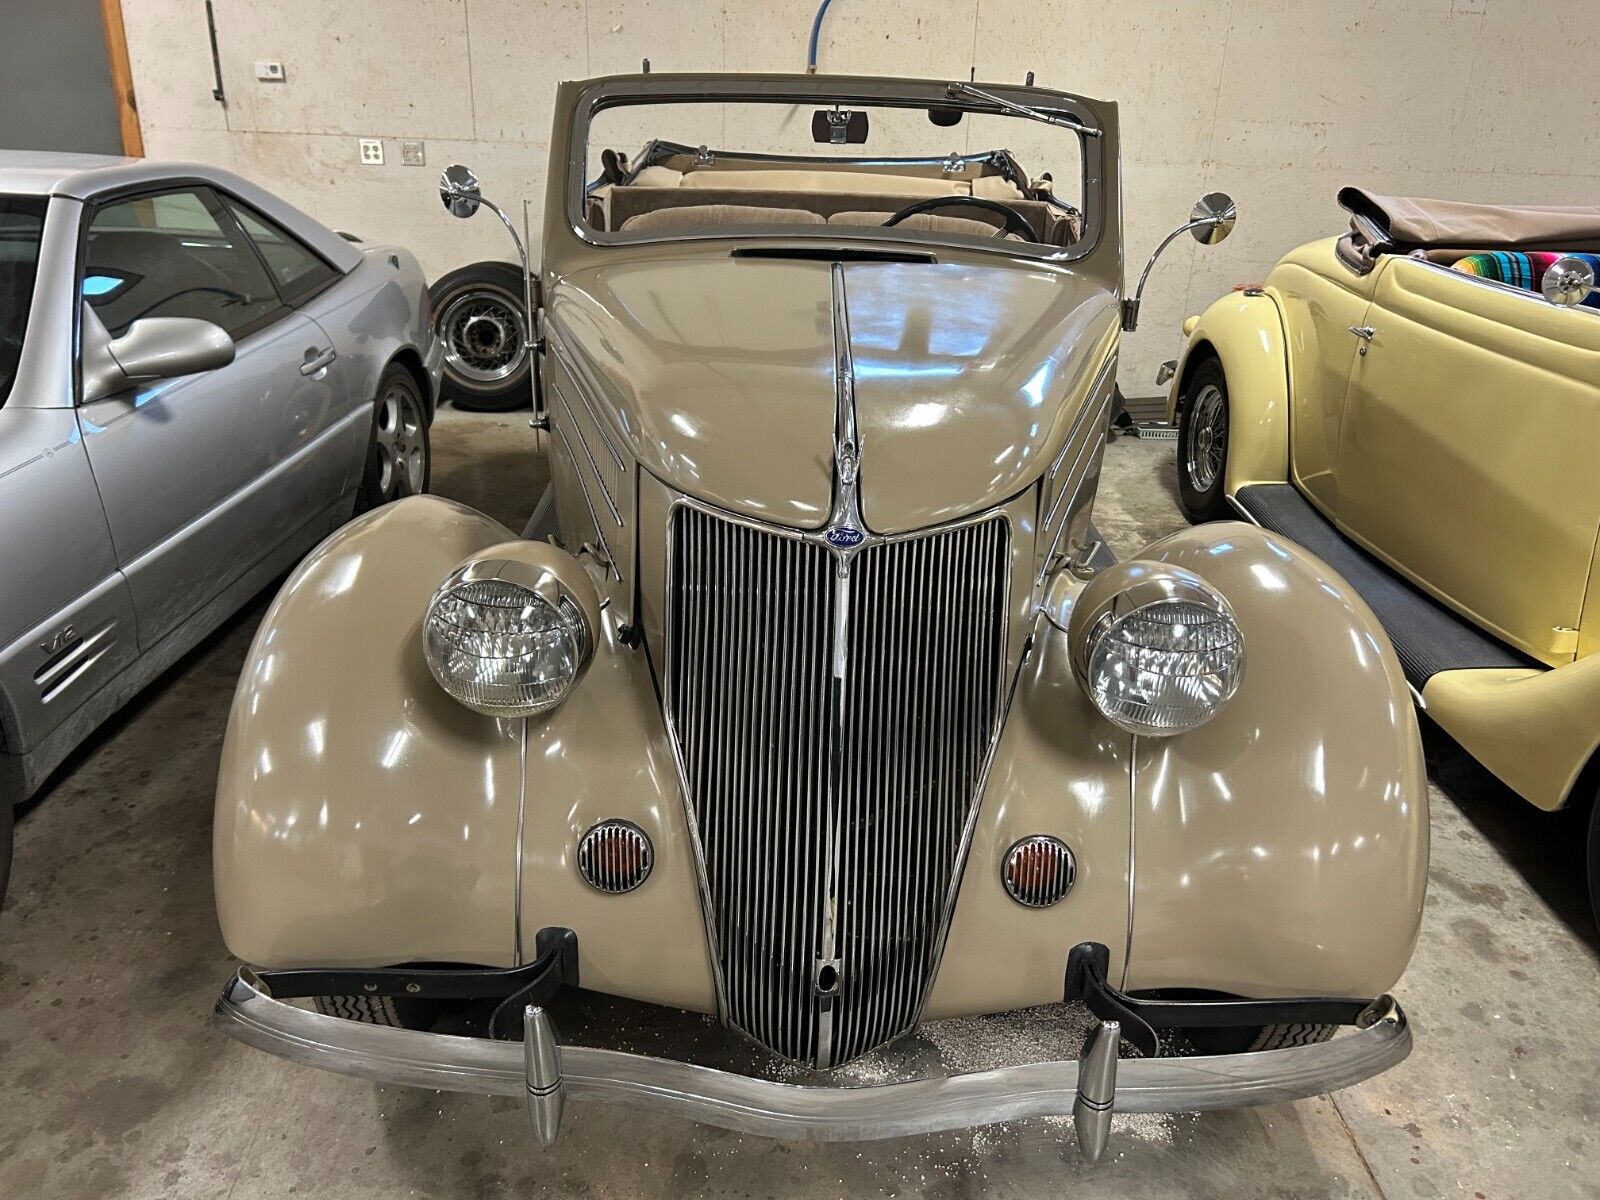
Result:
[[1428, 637]]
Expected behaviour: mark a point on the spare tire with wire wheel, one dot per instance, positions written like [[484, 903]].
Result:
[[477, 315], [399, 449]]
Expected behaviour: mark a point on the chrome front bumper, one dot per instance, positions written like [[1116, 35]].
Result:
[[1090, 1088]]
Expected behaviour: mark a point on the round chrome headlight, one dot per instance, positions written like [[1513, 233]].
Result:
[[1156, 648], [506, 638]]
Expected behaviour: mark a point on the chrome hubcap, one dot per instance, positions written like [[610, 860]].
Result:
[[402, 448], [1207, 445], [482, 335]]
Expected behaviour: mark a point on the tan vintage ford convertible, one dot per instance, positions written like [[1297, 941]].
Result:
[[808, 699]]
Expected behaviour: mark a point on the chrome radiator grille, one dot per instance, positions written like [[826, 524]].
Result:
[[830, 810]]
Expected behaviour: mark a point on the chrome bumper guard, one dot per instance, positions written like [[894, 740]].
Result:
[[546, 1073]]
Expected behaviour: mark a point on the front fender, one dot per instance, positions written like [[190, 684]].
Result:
[[1283, 847], [1245, 331], [363, 817]]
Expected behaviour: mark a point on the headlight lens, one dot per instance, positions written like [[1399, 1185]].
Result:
[[506, 638], [1162, 656]]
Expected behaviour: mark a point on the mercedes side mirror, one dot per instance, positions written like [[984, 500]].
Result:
[[1568, 282], [1213, 217], [152, 348]]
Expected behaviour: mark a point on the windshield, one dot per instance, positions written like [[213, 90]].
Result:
[[21, 222], [938, 173]]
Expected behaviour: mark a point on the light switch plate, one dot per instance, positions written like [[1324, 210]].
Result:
[[270, 72], [411, 154], [371, 152]]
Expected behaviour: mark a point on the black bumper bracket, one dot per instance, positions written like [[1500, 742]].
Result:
[[1140, 1018], [555, 965]]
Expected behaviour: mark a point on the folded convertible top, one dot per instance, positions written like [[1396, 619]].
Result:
[[1389, 224]]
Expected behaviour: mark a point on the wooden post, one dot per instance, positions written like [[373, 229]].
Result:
[[122, 77]]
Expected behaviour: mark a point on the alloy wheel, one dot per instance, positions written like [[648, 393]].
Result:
[[402, 444]]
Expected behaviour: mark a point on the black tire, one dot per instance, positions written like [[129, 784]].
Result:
[[1248, 1038], [401, 1012], [7, 835], [1594, 859], [1202, 458], [477, 314], [400, 446]]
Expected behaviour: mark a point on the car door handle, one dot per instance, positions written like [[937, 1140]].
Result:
[[1365, 333], [317, 360]]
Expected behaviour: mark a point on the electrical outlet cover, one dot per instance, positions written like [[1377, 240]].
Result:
[[371, 152], [270, 72], [411, 154]]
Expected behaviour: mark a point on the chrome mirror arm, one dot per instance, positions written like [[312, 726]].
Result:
[[1130, 308], [1212, 219]]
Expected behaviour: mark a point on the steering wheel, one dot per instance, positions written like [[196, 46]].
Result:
[[1015, 222]]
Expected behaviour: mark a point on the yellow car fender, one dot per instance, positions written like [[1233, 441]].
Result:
[[1245, 331]]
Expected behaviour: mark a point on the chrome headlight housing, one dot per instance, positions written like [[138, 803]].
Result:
[[507, 637], [1156, 648]]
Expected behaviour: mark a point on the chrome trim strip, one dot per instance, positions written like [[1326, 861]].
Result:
[[1133, 852], [522, 809], [583, 386], [594, 466], [446, 1062], [1089, 406], [583, 490]]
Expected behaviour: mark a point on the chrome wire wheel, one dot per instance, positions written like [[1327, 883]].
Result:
[[1206, 448], [482, 336], [399, 435]]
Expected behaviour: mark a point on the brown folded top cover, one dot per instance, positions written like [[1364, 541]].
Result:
[[1413, 223]]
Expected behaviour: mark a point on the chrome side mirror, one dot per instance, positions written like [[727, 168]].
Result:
[[153, 348], [1568, 282], [462, 197], [1213, 217], [458, 189]]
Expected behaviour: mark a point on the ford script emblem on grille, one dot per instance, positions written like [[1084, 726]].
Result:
[[844, 537]]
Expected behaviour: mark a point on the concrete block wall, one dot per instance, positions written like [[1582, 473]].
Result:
[[1278, 102]]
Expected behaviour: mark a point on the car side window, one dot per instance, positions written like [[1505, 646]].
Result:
[[298, 270], [174, 254]]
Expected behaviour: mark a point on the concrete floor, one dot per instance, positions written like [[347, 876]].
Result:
[[114, 1083]]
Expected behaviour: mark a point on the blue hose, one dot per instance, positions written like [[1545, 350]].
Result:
[[816, 31]]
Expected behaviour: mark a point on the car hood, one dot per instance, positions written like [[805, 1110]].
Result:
[[719, 373]]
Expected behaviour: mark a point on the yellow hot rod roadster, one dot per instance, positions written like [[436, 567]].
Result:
[[1418, 403]]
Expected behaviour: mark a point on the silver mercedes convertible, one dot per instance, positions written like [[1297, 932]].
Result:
[[197, 384]]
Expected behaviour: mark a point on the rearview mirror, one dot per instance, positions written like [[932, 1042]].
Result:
[[458, 189], [839, 127], [1568, 282], [152, 348]]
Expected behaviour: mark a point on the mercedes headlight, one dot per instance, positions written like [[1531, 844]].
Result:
[[508, 637], [1156, 648]]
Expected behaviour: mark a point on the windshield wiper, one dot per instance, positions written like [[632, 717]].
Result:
[[1023, 110]]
